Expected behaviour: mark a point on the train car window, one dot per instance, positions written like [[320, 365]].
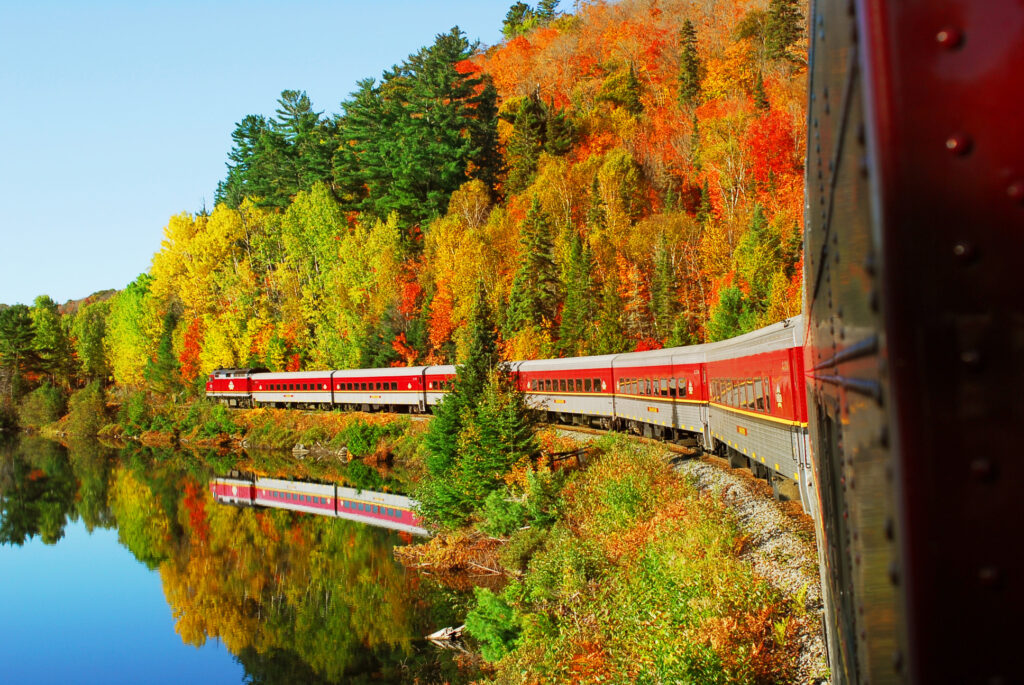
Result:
[[664, 387], [587, 385], [597, 385], [362, 386], [579, 385], [394, 385], [767, 386]]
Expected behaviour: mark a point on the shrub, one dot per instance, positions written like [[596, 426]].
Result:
[[42, 406], [134, 414], [218, 421], [494, 624], [88, 410], [502, 514]]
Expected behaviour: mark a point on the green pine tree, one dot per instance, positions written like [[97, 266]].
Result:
[[689, 66], [663, 296], [162, 373], [704, 214], [51, 343], [579, 310], [784, 27], [611, 335], [546, 9], [732, 315], [534, 295], [18, 356], [760, 95]]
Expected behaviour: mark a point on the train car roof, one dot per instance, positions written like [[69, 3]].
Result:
[[603, 361], [281, 375], [384, 373], [779, 336], [693, 354], [447, 369]]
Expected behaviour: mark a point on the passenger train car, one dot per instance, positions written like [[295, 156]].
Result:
[[741, 398], [381, 509]]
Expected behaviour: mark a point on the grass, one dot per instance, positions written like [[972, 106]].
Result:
[[640, 580]]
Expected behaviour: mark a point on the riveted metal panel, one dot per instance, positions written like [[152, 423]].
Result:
[[914, 236]]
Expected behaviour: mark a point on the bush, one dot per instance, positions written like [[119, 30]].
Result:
[[134, 414], [494, 624], [361, 438], [218, 422], [502, 514], [42, 406], [88, 410]]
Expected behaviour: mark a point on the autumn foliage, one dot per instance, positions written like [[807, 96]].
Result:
[[626, 177]]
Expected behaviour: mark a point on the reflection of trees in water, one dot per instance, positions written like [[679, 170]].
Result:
[[37, 491], [276, 583], [295, 597]]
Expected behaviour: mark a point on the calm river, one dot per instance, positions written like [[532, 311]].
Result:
[[119, 567]]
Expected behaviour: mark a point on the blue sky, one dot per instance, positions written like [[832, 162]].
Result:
[[117, 115]]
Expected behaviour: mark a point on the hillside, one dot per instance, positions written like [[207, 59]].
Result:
[[625, 177]]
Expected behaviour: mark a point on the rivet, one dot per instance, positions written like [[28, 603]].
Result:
[[963, 250], [971, 358], [1015, 191], [950, 38], [982, 468], [989, 576], [958, 144]]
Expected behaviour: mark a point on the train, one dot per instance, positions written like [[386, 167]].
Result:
[[381, 509], [742, 398], [892, 406]]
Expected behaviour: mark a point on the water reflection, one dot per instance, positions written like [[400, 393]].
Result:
[[295, 597]]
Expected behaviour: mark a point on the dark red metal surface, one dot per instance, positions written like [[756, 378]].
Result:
[[915, 357]]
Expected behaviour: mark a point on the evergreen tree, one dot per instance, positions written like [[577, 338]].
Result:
[[784, 28], [529, 127], [478, 432], [757, 256], [18, 356], [689, 66], [760, 96], [704, 208], [631, 93], [732, 315], [559, 132], [482, 359], [611, 336], [534, 295], [578, 311], [409, 143], [238, 184], [546, 9], [663, 296], [162, 373], [51, 342], [519, 19], [597, 217]]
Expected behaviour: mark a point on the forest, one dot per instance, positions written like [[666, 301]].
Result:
[[624, 177]]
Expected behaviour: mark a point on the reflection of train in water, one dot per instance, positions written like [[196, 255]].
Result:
[[381, 509]]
